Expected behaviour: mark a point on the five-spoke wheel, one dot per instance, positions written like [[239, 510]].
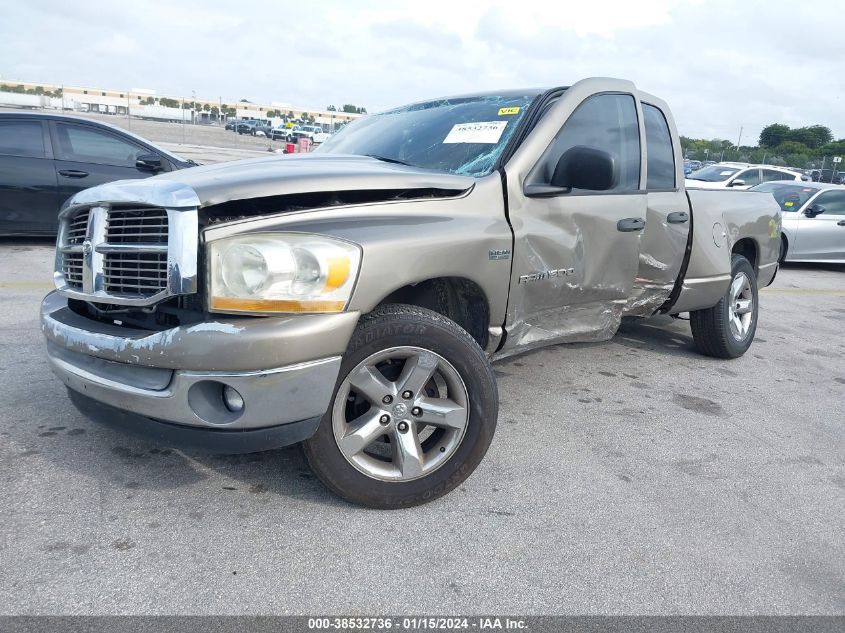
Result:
[[413, 414]]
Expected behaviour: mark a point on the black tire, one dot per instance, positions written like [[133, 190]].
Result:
[[392, 326], [711, 328], [784, 247]]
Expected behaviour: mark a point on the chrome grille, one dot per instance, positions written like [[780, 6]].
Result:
[[135, 273], [72, 269], [77, 230], [127, 254], [136, 226]]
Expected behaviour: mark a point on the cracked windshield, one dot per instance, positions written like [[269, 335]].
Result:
[[462, 136]]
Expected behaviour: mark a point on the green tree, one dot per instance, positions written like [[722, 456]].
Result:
[[774, 134], [792, 147]]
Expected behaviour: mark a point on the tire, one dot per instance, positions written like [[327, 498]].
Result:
[[784, 247], [723, 331], [379, 471]]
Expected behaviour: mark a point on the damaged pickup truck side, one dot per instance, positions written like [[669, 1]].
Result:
[[352, 299]]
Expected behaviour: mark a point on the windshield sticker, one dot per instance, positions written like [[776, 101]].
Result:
[[503, 111], [788, 204], [725, 173], [481, 132]]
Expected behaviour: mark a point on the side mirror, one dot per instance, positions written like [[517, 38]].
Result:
[[738, 183], [149, 162], [579, 167], [814, 210]]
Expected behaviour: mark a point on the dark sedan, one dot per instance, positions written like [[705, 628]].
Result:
[[46, 158]]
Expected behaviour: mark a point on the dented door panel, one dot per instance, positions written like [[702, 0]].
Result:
[[573, 271]]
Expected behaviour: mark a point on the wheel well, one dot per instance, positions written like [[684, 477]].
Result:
[[746, 247], [459, 299]]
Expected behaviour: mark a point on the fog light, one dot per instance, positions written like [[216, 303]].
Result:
[[233, 400]]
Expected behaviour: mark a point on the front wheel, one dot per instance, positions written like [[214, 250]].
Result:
[[413, 414], [727, 329]]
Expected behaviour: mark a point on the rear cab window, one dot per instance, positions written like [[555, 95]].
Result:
[[661, 156]]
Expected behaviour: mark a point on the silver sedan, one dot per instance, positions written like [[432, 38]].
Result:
[[813, 220]]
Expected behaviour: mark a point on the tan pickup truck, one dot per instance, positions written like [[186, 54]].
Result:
[[352, 299]]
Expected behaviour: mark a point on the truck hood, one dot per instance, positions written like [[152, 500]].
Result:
[[279, 175]]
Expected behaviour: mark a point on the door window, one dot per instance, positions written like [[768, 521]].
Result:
[[833, 203], [606, 122], [22, 138], [770, 175], [751, 177], [88, 145], [658, 142]]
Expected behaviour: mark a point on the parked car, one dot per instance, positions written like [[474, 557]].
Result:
[[738, 176], [813, 221], [46, 158], [253, 127], [352, 297], [231, 124], [281, 133], [313, 132]]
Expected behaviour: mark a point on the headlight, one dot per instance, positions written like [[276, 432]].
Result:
[[281, 272]]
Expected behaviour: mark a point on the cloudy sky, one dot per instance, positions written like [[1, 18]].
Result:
[[720, 64]]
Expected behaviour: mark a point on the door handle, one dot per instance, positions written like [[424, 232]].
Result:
[[678, 217], [628, 225], [73, 173], [840, 223]]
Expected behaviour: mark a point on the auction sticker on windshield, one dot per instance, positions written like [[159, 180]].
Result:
[[481, 132]]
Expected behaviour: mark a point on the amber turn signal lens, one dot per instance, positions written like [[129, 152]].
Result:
[[230, 304]]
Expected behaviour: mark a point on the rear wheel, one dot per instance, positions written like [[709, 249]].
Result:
[[727, 329], [784, 246], [413, 414]]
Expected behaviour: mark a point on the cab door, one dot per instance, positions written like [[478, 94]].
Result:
[[576, 251], [668, 216]]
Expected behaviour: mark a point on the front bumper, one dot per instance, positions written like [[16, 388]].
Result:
[[283, 368]]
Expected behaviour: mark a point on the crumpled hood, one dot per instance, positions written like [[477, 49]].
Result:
[[305, 173]]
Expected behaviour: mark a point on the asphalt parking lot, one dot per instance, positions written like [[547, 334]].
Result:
[[633, 476]]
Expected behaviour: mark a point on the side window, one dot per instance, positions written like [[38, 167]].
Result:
[[833, 203], [658, 142], [22, 138], [750, 176], [607, 122], [773, 174], [87, 145]]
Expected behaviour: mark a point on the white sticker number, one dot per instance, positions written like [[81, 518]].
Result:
[[482, 132]]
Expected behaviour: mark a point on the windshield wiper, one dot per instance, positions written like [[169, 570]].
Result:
[[389, 160]]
